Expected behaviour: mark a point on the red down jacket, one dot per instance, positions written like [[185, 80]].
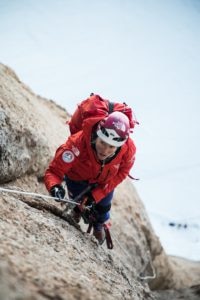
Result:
[[77, 159]]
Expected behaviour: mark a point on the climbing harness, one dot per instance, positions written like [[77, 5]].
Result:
[[89, 216]]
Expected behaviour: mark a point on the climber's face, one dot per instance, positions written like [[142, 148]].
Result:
[[103, 149]]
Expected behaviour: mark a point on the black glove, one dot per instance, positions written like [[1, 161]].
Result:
[[57, 191]]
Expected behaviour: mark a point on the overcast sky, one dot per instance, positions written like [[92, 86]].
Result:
[[146, 53]]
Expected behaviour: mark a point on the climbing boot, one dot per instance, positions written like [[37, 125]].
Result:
[[99, 233]]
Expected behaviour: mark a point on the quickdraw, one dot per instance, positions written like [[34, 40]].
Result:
[[108, 235]]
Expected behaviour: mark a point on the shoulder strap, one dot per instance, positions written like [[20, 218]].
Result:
[[110, 107]]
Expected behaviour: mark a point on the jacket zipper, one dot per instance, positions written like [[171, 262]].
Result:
[[101, 169], [107, 175]]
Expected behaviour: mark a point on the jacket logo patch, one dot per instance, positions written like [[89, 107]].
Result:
[[75, 150], [68, 156]]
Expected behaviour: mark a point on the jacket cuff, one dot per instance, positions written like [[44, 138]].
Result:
[[98, 195]]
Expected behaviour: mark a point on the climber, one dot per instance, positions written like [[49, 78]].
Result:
[[102, 153]]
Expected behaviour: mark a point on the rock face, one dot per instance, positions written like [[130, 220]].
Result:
[[41, 255], [26, 123]]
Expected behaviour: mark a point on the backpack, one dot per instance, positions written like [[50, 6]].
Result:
[[97, 106]]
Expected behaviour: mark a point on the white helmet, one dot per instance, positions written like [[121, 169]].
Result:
[[114, 129]]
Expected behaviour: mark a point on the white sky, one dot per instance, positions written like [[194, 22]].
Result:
[[146, 53]]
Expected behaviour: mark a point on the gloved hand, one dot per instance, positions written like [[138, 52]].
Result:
[[57, 191], [93, 208]]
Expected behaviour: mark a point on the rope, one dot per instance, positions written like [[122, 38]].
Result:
[[153, 276], [30, 194]]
